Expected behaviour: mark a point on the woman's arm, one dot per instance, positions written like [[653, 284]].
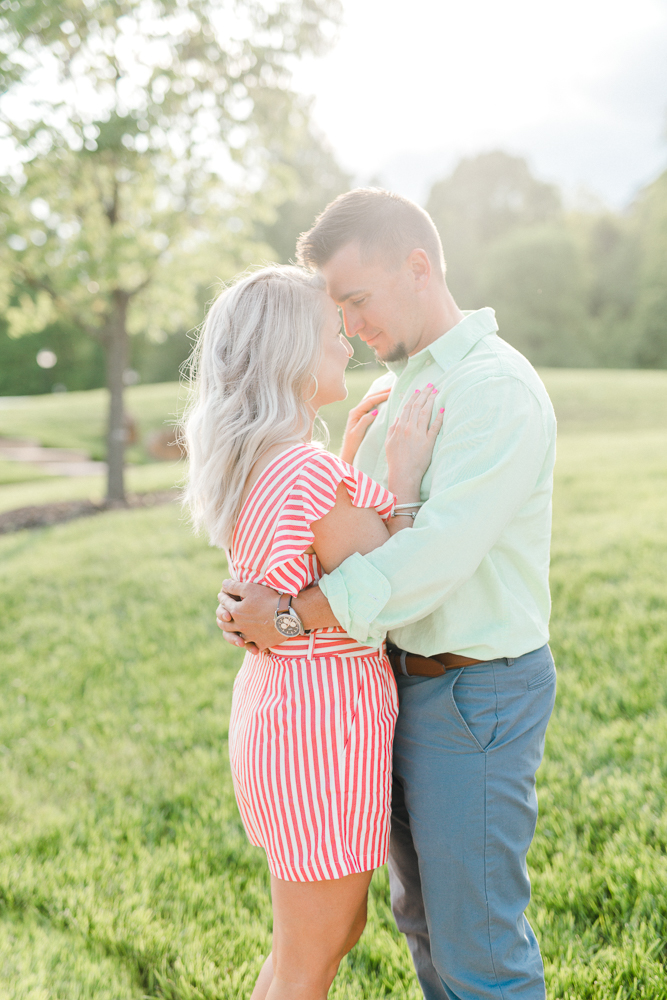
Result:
[[346, 529]]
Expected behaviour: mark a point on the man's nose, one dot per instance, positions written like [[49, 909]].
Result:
[[352, 322]]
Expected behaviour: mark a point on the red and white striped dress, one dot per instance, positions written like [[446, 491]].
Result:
[[313, 719]]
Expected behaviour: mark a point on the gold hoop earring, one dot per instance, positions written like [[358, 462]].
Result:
[[317, 387]]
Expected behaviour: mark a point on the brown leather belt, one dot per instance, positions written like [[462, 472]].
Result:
[[406, 664]]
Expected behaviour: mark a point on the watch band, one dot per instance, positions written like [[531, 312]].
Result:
[[290, 616]]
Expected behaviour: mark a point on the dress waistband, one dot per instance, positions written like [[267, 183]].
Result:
[[321, 643]]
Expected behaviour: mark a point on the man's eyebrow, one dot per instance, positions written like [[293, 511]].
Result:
[[348, 295]]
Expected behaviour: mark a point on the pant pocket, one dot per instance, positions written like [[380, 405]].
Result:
[[475, 700], [545, 674]]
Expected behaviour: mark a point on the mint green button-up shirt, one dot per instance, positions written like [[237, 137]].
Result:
[[471, 575]]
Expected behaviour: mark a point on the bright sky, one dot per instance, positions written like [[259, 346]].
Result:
[[578, 86]]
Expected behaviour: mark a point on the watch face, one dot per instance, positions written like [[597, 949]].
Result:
[[287, 625]]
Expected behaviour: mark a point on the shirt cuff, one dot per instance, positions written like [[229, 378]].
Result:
[[357, 593]]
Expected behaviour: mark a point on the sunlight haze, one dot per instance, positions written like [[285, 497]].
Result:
[[580, 88]]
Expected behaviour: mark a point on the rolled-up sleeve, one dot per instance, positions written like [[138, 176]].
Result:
[[487, 463]]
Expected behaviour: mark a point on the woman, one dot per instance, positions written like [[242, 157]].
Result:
[[313, 718]]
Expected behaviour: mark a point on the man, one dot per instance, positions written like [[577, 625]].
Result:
[[463, 597]]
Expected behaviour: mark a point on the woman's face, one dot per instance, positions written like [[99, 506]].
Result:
[[336, 352]]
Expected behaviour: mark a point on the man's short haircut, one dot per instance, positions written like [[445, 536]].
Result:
[[385, 225]]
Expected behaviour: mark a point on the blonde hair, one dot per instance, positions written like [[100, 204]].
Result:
[[252, 372]]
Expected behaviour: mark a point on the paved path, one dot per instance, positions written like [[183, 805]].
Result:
[[54, 461]]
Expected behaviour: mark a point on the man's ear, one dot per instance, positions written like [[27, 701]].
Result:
[[420, 266]]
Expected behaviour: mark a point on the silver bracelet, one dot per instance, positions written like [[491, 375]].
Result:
[[402, 506], [405, 513]]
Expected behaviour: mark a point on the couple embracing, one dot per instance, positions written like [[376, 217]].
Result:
[[394, 602]]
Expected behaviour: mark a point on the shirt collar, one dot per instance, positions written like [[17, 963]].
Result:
[[457, 342]]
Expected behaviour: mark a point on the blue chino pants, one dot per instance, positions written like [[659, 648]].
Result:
[[466, 750]]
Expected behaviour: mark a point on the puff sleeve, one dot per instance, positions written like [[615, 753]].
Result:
[[313, 495]]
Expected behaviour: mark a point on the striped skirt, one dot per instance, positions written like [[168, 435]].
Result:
[[310, 745]]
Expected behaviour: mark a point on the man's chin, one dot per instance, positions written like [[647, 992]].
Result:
[[397, 352]]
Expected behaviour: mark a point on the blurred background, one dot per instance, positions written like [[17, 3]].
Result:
[[537, 144], [149, 151]]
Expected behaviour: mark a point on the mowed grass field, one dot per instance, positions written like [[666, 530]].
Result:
[[124, 871]]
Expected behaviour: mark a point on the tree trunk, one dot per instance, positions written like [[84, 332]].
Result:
[[116, 347]]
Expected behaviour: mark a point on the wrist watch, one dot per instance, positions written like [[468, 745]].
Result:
[[287, 621]]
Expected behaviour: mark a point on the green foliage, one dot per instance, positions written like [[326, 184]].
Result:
[[80, 362], [104, 241], [484, 199], [137, 204], [316, 179], [145, 150], [571, 289], [651, 309], [533, 276], [608, 248]]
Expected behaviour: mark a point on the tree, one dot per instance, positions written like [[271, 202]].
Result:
[[534, 278], [650, 314], [608, 245], [485, 198], [147, 145], [314, 179]]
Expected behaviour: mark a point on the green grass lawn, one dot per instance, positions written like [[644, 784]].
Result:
[[124, 871], [78, 419], [584, 400], [138, 479], [19, 472]]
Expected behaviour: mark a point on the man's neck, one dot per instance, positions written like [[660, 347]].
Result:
[[443, 317]]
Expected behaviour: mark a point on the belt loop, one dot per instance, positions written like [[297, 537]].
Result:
[[404, 667]]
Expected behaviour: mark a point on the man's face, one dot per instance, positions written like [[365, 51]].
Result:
[[379, 303]]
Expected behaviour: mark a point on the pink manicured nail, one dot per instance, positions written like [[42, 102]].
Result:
[[374, 413]]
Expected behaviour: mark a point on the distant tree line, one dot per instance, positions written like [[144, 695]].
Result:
[[570, 288]]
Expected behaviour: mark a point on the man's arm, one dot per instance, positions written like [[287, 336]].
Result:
[[247, 609], [345, 529], [489, 460]]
